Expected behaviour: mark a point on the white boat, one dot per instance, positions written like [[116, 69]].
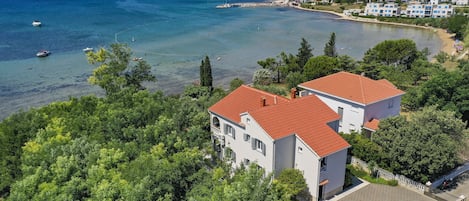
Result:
[[88, 49], [225, 5], [43, 53], [37, 23]]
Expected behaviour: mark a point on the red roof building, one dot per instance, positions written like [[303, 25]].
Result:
[[356, 98], [278, 133]]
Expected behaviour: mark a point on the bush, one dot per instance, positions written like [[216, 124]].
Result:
[[358, 172]]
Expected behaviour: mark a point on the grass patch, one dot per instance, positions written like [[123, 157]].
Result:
[[364, 175]]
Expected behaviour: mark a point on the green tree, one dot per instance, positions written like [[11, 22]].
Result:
[[305, 52], [206, 78], [235, 83], [424, 146], [293, 79], [330, 49], [393, 52], [290, 183], [456, 24], [320, 66], [115, 72], [262, 77]]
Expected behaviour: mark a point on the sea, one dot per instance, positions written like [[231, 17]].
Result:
[[172, 36]]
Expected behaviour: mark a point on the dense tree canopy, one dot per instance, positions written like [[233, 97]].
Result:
[[320, 66], [116, 72], [396, 52], [424, 146]]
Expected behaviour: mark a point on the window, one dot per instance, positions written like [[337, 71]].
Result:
[[216, 122], [258, 145], [230, 154], [340, 111], [248, 120], [300, 149], [246, 161], [352, 128], [323, 164], [246, 137], [229, 131]]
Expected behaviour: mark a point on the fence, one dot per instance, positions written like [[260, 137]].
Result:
[[401, 180]]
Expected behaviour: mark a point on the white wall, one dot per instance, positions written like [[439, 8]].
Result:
[[308, 163], [246, 151], [335, 173], [284, 153], [353, 113], [385, 108]]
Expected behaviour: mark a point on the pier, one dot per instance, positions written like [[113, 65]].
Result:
[[254, 4]]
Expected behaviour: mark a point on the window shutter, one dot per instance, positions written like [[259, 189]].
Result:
[[225, 128], [263, 149], [233, 133], [253, 143]]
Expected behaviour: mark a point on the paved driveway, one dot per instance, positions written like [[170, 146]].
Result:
[[364, 191], [461, 187]]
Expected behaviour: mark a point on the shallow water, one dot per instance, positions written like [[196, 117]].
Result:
[[173, 36]]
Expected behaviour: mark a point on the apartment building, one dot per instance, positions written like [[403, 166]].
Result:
[[359, 101], [250, 125]]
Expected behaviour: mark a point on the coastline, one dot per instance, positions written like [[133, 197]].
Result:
[[446, 38]]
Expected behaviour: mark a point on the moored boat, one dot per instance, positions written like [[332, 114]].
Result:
[[43, 53], [36, 23], [88, 49]]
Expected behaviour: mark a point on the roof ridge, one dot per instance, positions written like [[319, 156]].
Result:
[[362, 90], [265, 92]]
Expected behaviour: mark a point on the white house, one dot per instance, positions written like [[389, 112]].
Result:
[[433, 9], [360, 101], [250, 125], [383, 9], [460, 2]]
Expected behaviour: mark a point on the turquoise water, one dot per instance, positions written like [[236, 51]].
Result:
[[173, 36]]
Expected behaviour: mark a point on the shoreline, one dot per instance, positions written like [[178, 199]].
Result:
[[446, 38]]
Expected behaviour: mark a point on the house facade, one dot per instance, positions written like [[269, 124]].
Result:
[[253, 126], [383, 9], [433, 9], [359, 101]]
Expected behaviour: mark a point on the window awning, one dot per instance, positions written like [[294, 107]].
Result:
[[323, 182]]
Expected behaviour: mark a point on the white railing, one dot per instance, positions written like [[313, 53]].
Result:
[[401, 180]]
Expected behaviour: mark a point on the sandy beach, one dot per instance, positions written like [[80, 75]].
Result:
[[445, 37]]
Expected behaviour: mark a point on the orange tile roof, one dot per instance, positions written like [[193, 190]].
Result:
[[244, 99], [306, 117], [372, 124], [356, 88]]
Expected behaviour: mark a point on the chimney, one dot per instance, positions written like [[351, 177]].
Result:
[[275, 100], [263, 102], [293, 93]]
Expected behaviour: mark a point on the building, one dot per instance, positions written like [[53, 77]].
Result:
[[460, 2], [360, 101], [250, 125], [383, 9], [432, 9]]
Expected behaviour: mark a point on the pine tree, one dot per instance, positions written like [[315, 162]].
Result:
[[206, 78], [304, 53], [329, 48]]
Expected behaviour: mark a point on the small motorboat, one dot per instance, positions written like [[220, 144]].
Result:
[[88, 49], [43, 53], [137, 59], [37, 23]]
